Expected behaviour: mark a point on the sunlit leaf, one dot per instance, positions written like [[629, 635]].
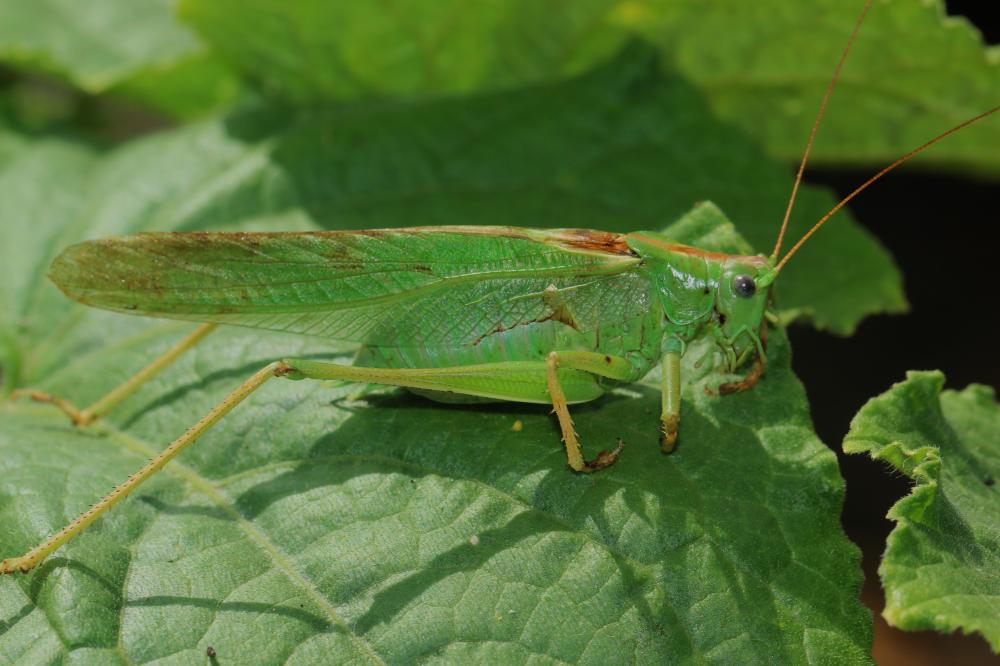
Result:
[[313, 527], [941, 568]]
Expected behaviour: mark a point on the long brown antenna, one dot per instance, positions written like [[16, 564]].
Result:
[[815, 127], [864, 186]]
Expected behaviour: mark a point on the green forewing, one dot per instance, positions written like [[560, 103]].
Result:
[[427, 286]]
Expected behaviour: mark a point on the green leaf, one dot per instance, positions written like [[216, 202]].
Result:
[[911, 74], [941, 568], [42, 186], [188, 88], [137, 48], [312, 527], [766, 75]]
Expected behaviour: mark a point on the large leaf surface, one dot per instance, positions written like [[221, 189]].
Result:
[[763, 65], [135, 47], [312, 528], [941, 568]]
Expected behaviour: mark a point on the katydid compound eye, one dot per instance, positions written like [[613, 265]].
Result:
[[744, 286]]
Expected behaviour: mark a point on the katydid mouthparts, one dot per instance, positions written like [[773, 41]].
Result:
[[453, 313]]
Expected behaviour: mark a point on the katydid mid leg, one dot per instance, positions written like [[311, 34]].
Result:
[[108, 402], [529, 379]]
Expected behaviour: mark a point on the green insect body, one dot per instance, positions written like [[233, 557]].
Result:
[[454, 313], [443, 297]]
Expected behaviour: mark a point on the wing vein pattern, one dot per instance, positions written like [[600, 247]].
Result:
[[434, 286]]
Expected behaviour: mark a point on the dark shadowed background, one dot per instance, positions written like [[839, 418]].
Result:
[[941, 231]]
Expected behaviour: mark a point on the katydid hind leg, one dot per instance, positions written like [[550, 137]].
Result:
[[113, 398], [33, 557]]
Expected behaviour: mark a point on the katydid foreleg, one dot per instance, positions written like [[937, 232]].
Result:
[[670, 400], [755, 373]]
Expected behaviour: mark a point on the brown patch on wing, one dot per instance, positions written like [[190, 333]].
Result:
[[576, 239], [598, 241], [579, 239]]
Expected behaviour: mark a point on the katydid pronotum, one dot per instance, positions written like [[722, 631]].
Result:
[[503, 313]]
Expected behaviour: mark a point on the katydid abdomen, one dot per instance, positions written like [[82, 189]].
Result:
[[637, 341]]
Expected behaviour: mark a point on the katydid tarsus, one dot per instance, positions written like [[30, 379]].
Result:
[[529, 315]]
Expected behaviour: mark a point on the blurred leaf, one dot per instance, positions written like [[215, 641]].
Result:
[[187, 89], [319, 50], [42, 185], [393, 529], [913, 73], [941, 568], [108, 44]]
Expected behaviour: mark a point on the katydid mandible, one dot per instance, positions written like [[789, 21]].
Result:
[[453, 313]]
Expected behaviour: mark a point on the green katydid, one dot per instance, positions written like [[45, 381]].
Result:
[[454, 313]]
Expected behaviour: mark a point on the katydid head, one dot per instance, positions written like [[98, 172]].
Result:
[[725, 294], [740, 302]]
